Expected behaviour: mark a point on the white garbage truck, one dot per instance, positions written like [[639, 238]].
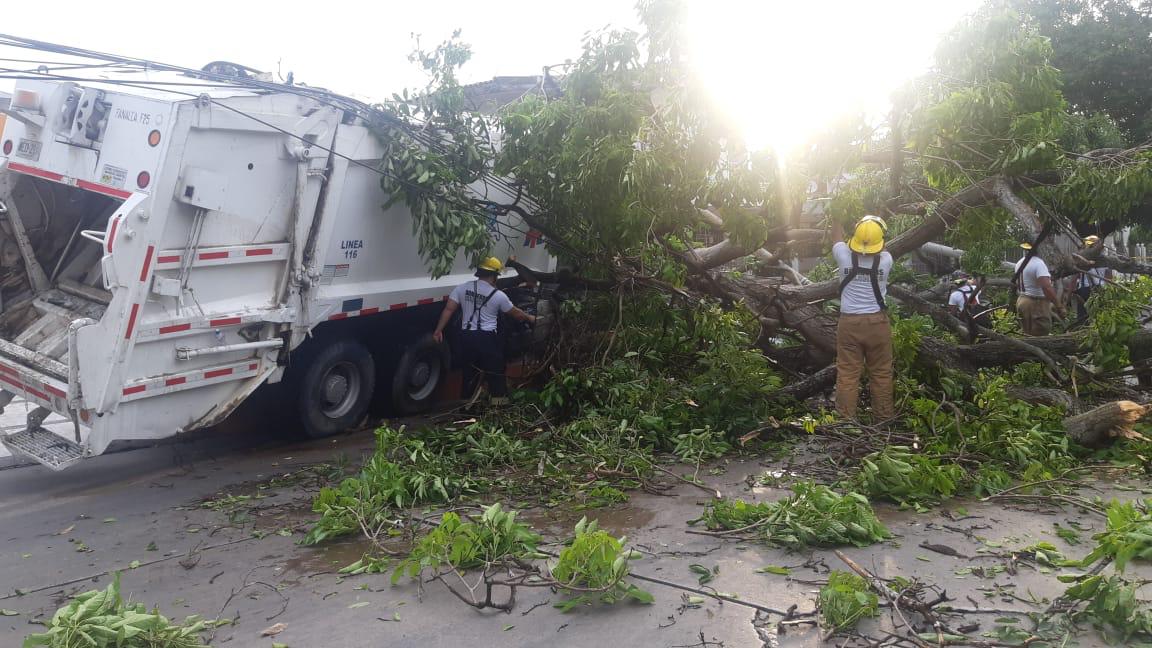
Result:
[[169, 246]]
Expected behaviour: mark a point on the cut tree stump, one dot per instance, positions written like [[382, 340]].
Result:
[[1103, 425]]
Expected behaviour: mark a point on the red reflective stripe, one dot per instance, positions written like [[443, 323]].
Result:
[[397, 306], [147, 263], [37, 394], [23, 168], [175, 328], [175, 381], [104, 189], [369, 311], [112, 233], [169, 259], [338, 316], [226, 321], [258, 252], [252, 367], [132, 321], [217, 373], [426, 300], [10, 370], [55, 392], [12, 381], [208, 256], [128, 391]]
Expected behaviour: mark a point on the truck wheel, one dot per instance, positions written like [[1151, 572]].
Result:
[[335, 389], [419, 374]]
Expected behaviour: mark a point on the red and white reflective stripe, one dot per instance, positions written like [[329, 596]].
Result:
[[423, 301], [170, 259], [58, 177], [104, 189], [149, 387], [41, 390], [195, 325], [33, 171], [111, 238]]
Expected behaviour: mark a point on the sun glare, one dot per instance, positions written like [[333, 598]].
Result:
[[783, 71]]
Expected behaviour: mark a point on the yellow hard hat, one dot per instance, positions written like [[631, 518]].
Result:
[[868, 238], [1091, 240], [1026, 245], [491, 264]]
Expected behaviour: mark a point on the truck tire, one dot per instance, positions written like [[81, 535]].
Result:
[[421, 370], [335, 388]]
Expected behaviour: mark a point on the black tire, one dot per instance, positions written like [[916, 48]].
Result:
[[422, 368], [334, 388]]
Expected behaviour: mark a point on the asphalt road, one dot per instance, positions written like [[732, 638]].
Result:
[[64, 533]]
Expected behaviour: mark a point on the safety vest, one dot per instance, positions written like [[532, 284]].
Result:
[[873, 274]]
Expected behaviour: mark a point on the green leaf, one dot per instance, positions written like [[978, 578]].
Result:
[[773, 569]]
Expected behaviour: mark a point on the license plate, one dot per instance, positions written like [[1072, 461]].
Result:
[[29, 149]]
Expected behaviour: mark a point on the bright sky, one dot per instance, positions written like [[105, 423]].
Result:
[[783, 68]]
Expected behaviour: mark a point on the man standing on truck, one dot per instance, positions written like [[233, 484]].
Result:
[[480, 304]]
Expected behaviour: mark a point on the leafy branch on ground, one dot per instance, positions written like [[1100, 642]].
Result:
[[813, 516], [103, 619], [496, 551]]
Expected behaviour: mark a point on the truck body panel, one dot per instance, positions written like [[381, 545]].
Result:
[[165, 248]]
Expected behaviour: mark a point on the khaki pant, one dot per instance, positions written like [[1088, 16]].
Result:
[[1035, 315], [864, 341]]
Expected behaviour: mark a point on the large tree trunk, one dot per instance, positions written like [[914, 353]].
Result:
[[1105, 424]]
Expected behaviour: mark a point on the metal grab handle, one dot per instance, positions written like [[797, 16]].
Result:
[[94, 235]]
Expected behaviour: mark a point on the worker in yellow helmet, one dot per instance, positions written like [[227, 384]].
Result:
[[1037, 294], [863, 333], [1089, 281], [480, 303]]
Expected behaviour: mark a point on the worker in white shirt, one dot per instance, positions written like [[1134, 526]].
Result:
[[1088, 282], [964, 302], [863, 332], [1037, 296], [480, 304]]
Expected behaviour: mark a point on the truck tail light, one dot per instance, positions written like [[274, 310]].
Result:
[[154, 138], [143, 179], [26, 100], [7, 147]]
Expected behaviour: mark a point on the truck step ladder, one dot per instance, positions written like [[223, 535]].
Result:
[[43, 446]]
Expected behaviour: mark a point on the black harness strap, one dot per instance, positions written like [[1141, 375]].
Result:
[[873, 273], [474, 318]]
